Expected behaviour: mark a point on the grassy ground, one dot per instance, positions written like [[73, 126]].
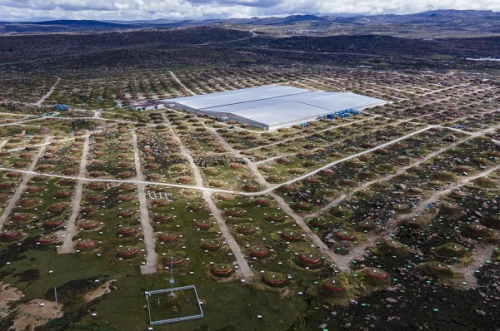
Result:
[[124, 308]]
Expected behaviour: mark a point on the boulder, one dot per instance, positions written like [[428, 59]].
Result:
[[480, 312]]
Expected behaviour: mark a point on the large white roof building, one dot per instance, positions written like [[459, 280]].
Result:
[[271, 107]]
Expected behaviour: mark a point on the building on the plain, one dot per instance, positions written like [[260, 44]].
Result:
[[273, 106], [147, 105]]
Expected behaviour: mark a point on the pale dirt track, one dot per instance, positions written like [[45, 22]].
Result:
[[180, 83], [342, 262], [300, 221], [39, 102], [149, 238], [68, 246], [20, 189], [244, 269]]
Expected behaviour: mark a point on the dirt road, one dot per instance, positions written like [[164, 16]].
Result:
[[149, 238], [244, 269], [39, 102], [71, 231], [300, 221], [180, 83], [20, 189], [343, 261]]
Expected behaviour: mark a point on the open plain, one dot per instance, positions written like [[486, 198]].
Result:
[[383, 220]]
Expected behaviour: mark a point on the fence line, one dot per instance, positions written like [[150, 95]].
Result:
[[177, 319]]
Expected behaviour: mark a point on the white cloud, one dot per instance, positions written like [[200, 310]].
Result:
[[21, 10]]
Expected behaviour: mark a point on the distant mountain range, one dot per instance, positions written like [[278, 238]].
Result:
[[89, 23], [449, 19]]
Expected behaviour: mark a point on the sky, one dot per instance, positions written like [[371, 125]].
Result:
[[36, 10]]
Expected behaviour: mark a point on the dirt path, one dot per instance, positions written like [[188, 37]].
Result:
[[71, 231], [147, 229], [39, 145], [181, 84], [332, 203], [224, 124], [291, 181], [461, 182], [3, 143], [481, 255], [137, 160], [133, 181], [371, 116], [196, 172], [224, 142], [343, 261], [265, 191], [13, 200], [39, 102], [21, 122], [38, 155], [236, 153], [267, 160], [80, 118], [471, 133], [244, 269], [269, 188], [304, 85], [99, 292], [13, 114], [314, 237], [400, 170]]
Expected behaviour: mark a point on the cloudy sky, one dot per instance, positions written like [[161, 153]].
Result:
[[28, 10]]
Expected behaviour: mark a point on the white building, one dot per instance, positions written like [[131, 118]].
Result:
[[272, 107], [147, 105]]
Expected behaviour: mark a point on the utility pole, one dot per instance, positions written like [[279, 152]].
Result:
[[172, 280], [55, 294]]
